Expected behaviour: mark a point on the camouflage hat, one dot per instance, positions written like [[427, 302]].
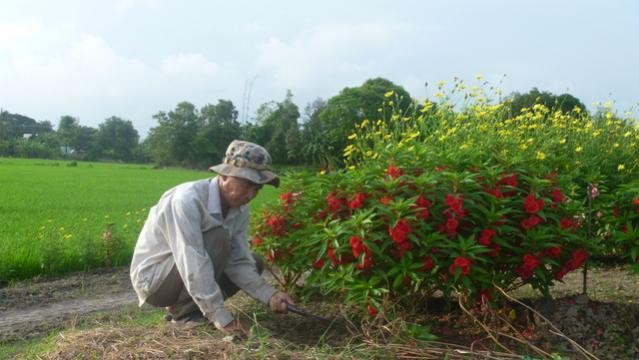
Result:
[[249, 161]]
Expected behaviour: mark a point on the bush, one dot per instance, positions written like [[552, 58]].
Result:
[[457, 201]]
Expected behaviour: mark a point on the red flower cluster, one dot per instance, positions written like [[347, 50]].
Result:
[[357, 246], [557, 196], [394, 172], [528, 265], [318, 264], [531, 221], [533, 205], [568, 224], [277, 224], [335, 203], [357, 201], [372, 311], [577, 258], [399, 234], [486, 236], [257, 241], [422, 206], [428, 263], [463, 264], [636, 203], [453, 214], [553, 252]]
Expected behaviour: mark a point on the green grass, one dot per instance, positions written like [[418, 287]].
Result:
[[53, 214]]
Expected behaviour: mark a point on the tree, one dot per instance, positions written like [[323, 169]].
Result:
[[277, 130], [218, 126], [353, 105], [312, 134], [171, 142], [76, 140], [116, 139], [563, 102]]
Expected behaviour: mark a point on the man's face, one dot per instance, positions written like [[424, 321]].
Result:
[[236, 191]]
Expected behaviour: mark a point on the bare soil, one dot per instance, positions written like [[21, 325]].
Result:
[[605, 322]]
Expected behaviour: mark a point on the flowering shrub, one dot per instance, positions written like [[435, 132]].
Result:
[[436, 199]]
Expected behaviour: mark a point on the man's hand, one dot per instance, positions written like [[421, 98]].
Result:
[[279, 302], [237, 327]]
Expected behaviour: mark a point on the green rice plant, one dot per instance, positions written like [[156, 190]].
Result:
[[53, 217]]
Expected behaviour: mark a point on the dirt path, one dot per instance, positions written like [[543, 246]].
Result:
[[35, 307]]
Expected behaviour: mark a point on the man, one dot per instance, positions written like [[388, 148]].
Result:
[[193, 250]]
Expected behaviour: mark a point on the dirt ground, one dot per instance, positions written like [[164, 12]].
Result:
[[606, 322]]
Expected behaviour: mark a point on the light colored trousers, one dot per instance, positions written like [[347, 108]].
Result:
[[172, 291]]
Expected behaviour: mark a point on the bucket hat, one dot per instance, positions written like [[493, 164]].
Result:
[[249, 161]]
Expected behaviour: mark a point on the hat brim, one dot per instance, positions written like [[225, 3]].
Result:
[[256, 176]]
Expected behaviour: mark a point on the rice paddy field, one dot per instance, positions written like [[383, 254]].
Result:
[[59, 216]]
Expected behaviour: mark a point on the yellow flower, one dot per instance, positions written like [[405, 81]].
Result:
[[540, 155], [627, 134], [441, 84], [621, 167], [578, 149], [615, 145], [352, 136], [439, 95], [562, 141], [389, 93], [352, 167]]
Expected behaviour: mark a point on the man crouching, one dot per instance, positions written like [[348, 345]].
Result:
[[193, 252]]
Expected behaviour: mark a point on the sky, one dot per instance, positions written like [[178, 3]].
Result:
[[134, 58]]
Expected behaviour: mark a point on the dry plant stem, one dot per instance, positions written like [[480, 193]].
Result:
[[486, 328], [554, 330], [525, 342], [279, 281]]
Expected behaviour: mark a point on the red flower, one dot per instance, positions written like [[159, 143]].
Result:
[[495, 192], [372, 311], [577, 258], [367, 261], [462, 263], [451, 226], [530, 222], [559, 274], [318, 264], [257, 241], [553, 252], [568, 223], [277, 224], [331, 255], [510, 180], [357, 246], [334, 202], [636, 202], [421, 205], [557, 195], [455, 203], [428, 263], [394, 172], [357, 201], [385, 200], [486, 236], [399, 232], [287, 198], [528, 264], [532, 204]]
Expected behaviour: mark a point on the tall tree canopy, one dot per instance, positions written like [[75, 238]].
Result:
[[116, 139], [563, 102], [353, 105]]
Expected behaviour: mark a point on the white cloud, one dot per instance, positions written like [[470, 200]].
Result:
[[189, 65], [327, 53]]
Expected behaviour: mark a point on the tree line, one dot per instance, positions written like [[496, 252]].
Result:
[[196, 138]]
